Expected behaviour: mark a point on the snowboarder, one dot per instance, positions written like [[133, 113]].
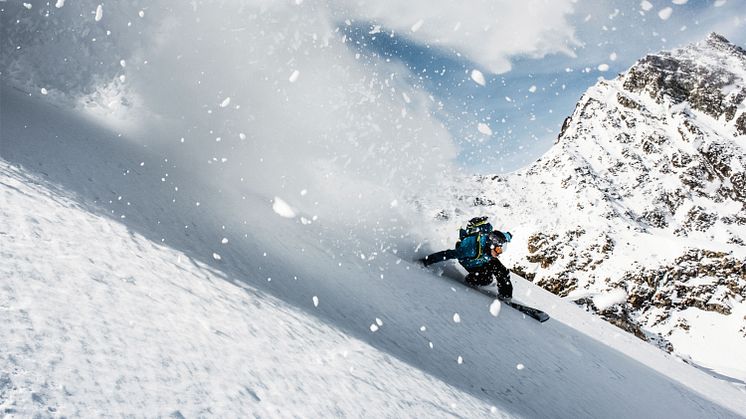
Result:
[[477, 251]]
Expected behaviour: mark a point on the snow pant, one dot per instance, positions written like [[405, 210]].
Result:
[[439, 257], [492, 270]]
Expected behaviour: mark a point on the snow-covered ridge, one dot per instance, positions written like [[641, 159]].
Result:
[[638, 212]]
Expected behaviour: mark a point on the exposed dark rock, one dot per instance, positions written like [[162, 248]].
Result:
[[700, 220], [627, 102], [561, 286], [521, 271], [482, 201], [741, 124], [565, 125], [655, 218]]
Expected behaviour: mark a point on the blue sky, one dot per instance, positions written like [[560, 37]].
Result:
[[524, 124]]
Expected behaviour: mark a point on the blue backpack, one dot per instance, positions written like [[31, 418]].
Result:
[[473, 250]]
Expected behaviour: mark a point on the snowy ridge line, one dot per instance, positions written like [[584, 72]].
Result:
[[565, 372]]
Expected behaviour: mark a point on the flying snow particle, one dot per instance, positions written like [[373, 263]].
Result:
[[519, 367], [478, 77], [225, 102], [379, 322], [406, 97], [645, 5], [456, 318], [495, 307], [59, 4], [141, 13], [216, 256], [484, 128], [27, 5], [44, 91], [123, 63], [532, 89], [282, 208], [460, 360], [315, 301], [303, 192], [373, 327], [224, 241], [417, 25], [99, 13], [423, 328], [241, 135], [294, 76], [394, 203], [665, 13], [679, 2], [603, 67]]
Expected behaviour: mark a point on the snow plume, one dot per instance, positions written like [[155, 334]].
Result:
[[303, 115], [312, 117]]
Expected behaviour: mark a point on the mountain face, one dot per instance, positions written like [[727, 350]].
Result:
[[638, 212]]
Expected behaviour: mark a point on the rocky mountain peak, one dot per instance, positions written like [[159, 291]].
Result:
[[708, 75], [675, 115], [718, 42], [638, 212]]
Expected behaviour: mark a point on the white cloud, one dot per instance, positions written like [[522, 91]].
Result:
[[489, 31]]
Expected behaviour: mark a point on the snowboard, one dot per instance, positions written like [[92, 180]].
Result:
[[532, 312]]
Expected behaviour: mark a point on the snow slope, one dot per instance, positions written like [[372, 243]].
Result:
[[229, 328], [97, 320]]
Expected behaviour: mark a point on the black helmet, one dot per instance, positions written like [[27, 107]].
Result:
[[498, 238]]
